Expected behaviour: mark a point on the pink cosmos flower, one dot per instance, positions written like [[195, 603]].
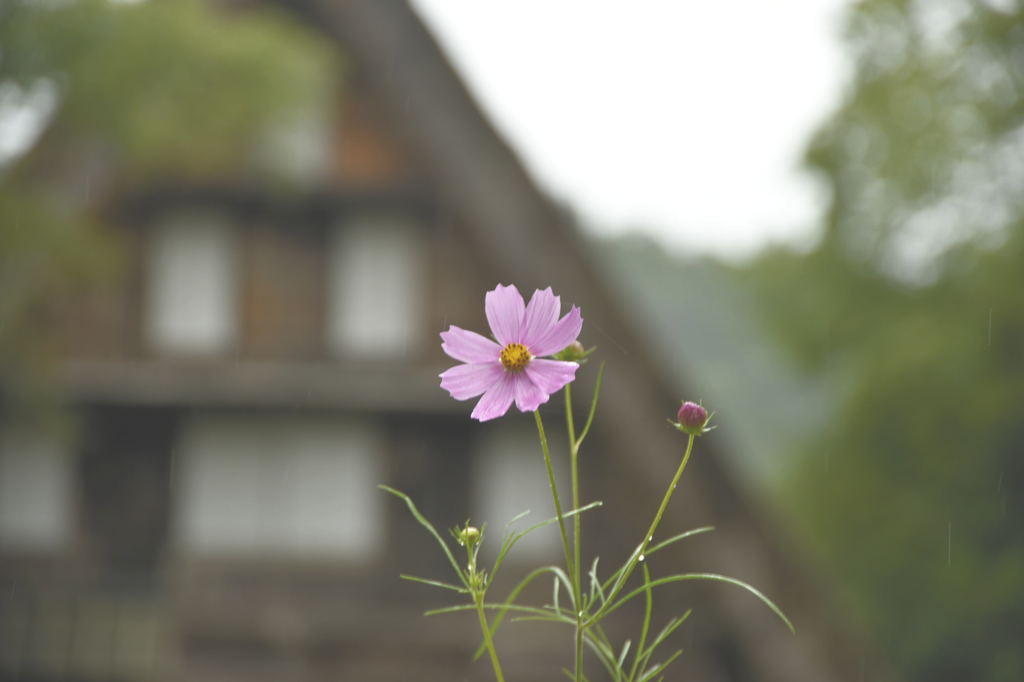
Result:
[[512, 368]]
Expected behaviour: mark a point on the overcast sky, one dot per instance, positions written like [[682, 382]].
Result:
[[687, 118]]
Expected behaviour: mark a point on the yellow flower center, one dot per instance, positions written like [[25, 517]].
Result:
[[514, 357]]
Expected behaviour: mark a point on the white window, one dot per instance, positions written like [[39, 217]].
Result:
[[376, 296], [36, 473], [192, 292], [299, 150], [510, 478], [280, 486]]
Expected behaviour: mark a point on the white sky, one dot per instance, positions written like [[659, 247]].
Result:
[[686, 118]]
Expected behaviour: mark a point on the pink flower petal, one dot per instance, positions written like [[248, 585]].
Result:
[[561, 335], [529, 396], [504, 308], [468, 346], [541, 315], [469, 381], [496, 400], [550, 375]]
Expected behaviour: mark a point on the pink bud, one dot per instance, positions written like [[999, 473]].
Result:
[[692, 418]]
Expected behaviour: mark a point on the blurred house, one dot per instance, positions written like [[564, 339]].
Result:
[[267, 359]]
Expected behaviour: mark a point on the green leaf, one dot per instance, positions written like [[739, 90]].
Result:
[[671, 626], [622, 655], [511, 540], [593, 407], [535, 612], [520, 586], [435, 583], [676, 538], [638, 661], [604, 654], [704, 576], [651, 550], [660, 667], [430, 527], [596, 592]]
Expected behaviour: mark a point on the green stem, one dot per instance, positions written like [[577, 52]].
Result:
[[579, 646], [645, 628], [477, 584], [648, 537], [554, 492], [488, 642], [574, 451], [577, 583]]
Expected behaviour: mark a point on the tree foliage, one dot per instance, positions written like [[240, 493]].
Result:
[[914, 300], [161, 87], [121, 96]]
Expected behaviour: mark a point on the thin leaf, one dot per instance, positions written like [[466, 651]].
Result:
[[450, 609], [430, 527], [554, 519], [705, 576], [598, 632], [554, 595], [651, 550], [671, 626], [562, 577], [520, 586], [623, 653], [517, 517], [513, 539], [435, 583], [615, 582], [545, 614], [595, 584], [660, 667], [569, 674], [542, 619], [676, 538], [593, 407], [604, 654]]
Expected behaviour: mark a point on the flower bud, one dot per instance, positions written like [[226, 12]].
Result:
[[574, 353], [692, 418], [469, 536]]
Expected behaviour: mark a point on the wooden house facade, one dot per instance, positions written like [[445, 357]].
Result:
[[266, 361]]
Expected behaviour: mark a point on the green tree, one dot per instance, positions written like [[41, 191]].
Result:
[[123, 96], [914, 302]]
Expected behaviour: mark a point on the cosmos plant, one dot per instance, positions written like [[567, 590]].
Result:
[[533, 354]]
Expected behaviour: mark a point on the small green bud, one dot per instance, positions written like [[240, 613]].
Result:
[[575, 352], [469, 536]]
